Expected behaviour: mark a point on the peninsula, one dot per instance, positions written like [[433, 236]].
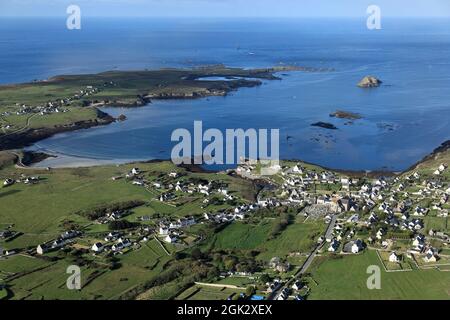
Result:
[[37, 110]]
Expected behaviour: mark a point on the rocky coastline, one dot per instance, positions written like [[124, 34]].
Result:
[[183, 84], [26, 138]]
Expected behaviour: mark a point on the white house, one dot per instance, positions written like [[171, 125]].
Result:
[[297, 169], [170, 239], [394, 258], [58, 243], [112, 236], [121, 244], [430, 257], [333, 246], [380, 234], [419, 211], [164, 231], [125, 242], [69, 234], [157, 185], [41, 249], [8, 182], [357, 246], [186, 222], [297, 285], [97, 247], [419, 242]]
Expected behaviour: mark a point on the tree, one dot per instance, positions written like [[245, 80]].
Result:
[[265, 278], [121, 225], [249, 291], [230, 263], [197, 254]]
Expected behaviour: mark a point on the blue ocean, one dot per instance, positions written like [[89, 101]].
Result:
[[403, 120]]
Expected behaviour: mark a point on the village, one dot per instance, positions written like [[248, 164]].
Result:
[[81, 98], [388, 215], [385, 214]]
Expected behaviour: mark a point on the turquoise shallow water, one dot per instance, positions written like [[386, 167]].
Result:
[[402, 121]]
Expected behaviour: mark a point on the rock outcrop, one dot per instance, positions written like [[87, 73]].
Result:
[[369, 82], [324, 125], [345, 115]]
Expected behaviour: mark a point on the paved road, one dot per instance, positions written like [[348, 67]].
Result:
[[274, 295], [330, 227]]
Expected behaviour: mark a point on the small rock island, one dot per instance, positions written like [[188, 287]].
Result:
[[324, 125], [341, 114], [369, 82]]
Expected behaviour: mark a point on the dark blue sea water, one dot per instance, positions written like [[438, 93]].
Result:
[[403, 120]]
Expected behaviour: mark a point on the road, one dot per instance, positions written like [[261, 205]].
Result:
[[330, 227], [274, 295], [27, 125]]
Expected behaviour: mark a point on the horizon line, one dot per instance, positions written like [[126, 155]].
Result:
[[227, 17]]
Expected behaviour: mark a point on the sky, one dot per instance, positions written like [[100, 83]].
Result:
[[227, 8]]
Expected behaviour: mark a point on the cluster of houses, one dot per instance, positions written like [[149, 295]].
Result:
[[170, 230], [57, 105], [60, 242], [398, 203], [116, 243], [421, 247], [48, 108], [284, 294], [205, 189], [8, 234], [279, 265], [287, 292], [88, 91], [440, 169], [23, 179], [112, 216], [274, 285], [172, 186], [5, 234], [5, 126], [238, 213]]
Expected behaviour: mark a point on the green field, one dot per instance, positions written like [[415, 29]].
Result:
[[63, 198], [346, 278], [40, 210], [3, 294], [124, 84], [207, 293], [297, 237]]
